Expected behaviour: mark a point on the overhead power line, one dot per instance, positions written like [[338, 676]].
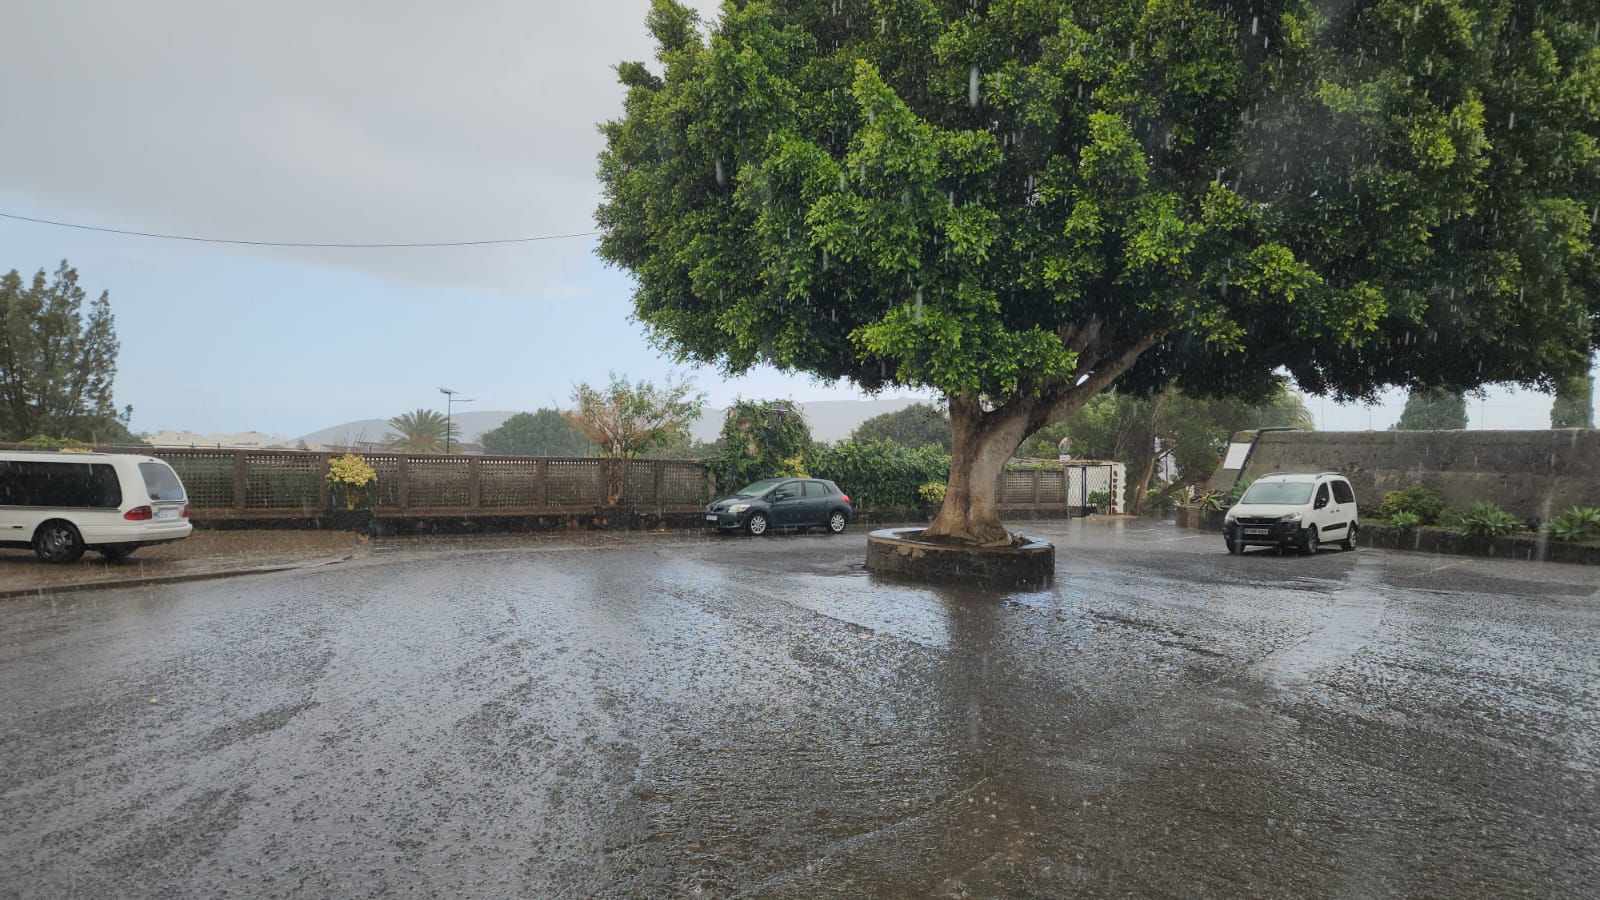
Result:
[[351, 246]]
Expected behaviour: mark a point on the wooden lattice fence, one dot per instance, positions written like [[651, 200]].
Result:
[[225, 483]]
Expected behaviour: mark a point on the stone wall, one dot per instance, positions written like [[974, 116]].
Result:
[[1534, 474]]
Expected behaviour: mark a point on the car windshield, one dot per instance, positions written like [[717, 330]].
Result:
[[757, 488], [1277, 492]]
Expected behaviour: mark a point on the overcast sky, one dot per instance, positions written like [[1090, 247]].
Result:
[[346, 122]]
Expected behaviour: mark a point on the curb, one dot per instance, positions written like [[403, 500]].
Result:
[[155, 580]]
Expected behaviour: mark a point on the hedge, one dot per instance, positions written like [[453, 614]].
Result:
[[879, 474]]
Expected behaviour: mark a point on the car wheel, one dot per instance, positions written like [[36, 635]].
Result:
[[58, 542], [1309, 544], [1349, 542], [837, 523], [118, 552], [757, 524], [1234, 547]]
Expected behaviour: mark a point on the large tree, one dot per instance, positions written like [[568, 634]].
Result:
[[918, 425], [542, 433], [1020, 203], [1431, 409], [58, 361]]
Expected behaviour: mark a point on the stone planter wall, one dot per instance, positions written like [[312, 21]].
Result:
[[1529, 547]]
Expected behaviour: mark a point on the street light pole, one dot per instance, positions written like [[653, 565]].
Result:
[[449, 402]]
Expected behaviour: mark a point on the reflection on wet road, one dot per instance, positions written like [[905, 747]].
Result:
[[672, 715]]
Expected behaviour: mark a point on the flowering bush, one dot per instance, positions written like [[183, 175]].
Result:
[[932, 492], [352, 473]]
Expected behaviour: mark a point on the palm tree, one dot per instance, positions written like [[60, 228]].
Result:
[[422, 431]]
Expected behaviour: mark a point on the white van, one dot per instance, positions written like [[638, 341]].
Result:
[[1301, 511], [61, 504]]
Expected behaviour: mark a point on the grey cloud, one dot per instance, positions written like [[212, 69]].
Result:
[[322, 122]]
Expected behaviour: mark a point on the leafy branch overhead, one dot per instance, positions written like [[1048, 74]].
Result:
[[996, 197]]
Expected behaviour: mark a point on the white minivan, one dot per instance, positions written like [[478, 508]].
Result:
[[61, 504], [1300, 511]]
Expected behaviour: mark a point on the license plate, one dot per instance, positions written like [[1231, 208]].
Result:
[[1260, 531], [711, 518], [166, 514]]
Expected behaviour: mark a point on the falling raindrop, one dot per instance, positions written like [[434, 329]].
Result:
[[722, 177], [919, 306], [973, 93], [1255, 24]]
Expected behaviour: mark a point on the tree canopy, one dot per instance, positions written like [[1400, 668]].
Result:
[[1433, 410], [918, 425], [1021, 202], [58, 361], [422, 431], [544, 432], [624, 420]]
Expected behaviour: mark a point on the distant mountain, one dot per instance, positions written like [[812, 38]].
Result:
[[830, 420]]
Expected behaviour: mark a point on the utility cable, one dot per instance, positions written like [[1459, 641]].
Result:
[[348, 246]]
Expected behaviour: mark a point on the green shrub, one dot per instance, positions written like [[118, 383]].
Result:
[[1576, 524], [1426, 505], [1238, 491], [1484, 519], [1213, 500], [1099, 499], [880, 474], [1404, 521]]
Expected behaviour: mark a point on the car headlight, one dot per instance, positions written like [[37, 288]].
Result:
[[1291, 517], [738, 508]]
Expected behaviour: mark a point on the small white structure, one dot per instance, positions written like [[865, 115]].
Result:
[[1090, 476]]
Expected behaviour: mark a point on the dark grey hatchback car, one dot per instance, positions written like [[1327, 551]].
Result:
[[798, 503]]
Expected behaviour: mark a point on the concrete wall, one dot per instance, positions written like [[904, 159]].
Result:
[[1534, 474]]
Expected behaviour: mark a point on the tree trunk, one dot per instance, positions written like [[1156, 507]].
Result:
[[983, 443], [1140, 482]]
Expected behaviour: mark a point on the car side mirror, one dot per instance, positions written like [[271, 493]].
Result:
[[1321, 502]]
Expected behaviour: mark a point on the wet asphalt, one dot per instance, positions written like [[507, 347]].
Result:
[[671, 715]]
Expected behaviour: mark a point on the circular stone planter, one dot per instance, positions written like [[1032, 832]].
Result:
[[900, 553]]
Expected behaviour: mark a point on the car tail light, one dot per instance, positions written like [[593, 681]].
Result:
[[139, 514], [186, 510], [846, 497]]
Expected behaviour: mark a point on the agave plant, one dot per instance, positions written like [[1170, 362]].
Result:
[[1580, 523], [1484, 519]]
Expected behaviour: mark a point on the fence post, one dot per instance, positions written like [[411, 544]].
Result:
[[402, 486], [238, 481], [660, 482], [474, 487], [322, 480], [541, 476]]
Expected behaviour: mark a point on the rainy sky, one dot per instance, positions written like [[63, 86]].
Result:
[[348, 122]]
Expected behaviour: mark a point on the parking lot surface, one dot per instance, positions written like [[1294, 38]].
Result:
[[650, 715]]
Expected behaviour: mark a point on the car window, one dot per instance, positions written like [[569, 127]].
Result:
[[1342, 492], [1280, 492], [816, 489], [757, 488], [1322, 495], [785, 492], [67, 485], [161, 482]]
